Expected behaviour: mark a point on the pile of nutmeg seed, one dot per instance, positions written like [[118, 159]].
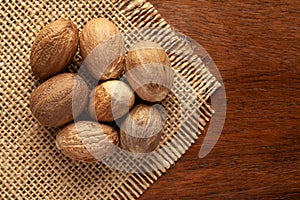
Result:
[[62, 97]]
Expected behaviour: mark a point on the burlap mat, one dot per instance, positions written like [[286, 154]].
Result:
[[30, 165]]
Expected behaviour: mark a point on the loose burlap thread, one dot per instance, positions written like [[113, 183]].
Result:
[[30, 165]]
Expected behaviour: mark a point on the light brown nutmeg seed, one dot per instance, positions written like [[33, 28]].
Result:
[[54, 48], [87, 141], [103, 48], [111, 100], [148, 71], [59, 100], [141, 130]]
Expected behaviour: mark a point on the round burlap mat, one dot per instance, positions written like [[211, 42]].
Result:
[[30, 165]]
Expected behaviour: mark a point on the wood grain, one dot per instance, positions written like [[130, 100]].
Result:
[[255, 45]]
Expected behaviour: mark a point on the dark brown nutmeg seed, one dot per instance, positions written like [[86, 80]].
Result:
[[59, 100], [54, 48]]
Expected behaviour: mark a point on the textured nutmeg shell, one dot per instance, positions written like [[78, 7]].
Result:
[[103, 48], [148, 71], [59, 100], [141, 130], [54, 48], [111, 100], [87, 141]]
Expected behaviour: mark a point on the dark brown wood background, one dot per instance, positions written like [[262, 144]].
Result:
[[256, 46]]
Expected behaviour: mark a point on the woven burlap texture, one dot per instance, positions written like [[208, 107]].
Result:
[[30, 165]]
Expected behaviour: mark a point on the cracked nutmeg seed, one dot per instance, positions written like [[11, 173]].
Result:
[[87, 141], [54, 48]]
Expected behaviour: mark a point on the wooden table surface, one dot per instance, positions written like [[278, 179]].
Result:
[[256, 46]]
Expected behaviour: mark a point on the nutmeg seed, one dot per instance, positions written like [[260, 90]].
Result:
[[110, 101], [141, 130], [102, 47], [87, 141], [148, 71], [54, 48], [59, 100]]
